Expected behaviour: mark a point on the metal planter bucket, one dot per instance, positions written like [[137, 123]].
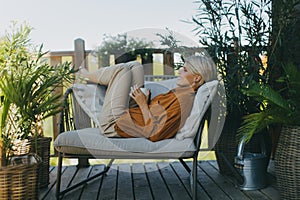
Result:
[[252, 167]]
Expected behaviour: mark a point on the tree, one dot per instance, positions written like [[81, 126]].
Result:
[[119, 45], [285, 38]]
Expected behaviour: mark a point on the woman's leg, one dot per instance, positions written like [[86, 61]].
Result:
[[137, 71], [119, 79], [105, 75]]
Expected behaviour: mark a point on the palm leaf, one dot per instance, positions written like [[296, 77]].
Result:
[[263, 92], [5, 105], [256, 122]]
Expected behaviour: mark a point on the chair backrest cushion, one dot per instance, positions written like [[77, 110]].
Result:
[[203, 99], [90, 97], [160, 87]]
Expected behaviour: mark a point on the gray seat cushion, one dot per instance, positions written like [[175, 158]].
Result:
[[91, 141]]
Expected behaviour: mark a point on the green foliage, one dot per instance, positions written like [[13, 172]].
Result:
[[27, 86], [236, 35], [173, 45], [281, 106], [281, 94], [169, 39], [285, 41], [119, 45]]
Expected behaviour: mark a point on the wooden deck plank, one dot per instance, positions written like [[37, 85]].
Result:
[[210, 186], [158, 187], [175, 186], [91, 190], [213, 163], [256, 194], [271, 192], [227, 186], [81, 174], [162, 180], [67, 176], [140, 182], [109, 185], [252, 194], [52, 186], [185, 179], [124, 186]]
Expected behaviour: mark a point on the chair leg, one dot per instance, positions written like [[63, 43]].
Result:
[[185, 165], [58, 177], [83, 162], [194, 174], [59, 193]]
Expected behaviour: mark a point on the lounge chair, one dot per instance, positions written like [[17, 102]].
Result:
[[80, 138]]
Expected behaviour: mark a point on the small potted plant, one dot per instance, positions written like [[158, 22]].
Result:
[[28, 97]]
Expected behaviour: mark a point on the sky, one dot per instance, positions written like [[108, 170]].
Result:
[[57, 23]]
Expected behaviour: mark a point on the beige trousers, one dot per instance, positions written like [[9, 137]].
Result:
[[118, 79]]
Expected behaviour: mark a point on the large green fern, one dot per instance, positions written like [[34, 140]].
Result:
[[280, 107]]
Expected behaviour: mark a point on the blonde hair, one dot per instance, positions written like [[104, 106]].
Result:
[[203, 65]]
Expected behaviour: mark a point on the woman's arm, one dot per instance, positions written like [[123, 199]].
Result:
[[142, 101], [162, 118]]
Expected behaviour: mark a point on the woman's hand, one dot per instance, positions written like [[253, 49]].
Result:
[[142, 101], [140, 98]]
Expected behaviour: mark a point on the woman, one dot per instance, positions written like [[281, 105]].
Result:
[[158, 119]]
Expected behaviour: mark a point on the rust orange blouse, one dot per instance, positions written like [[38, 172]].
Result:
[[169, 112]]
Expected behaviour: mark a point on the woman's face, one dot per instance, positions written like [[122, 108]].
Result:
[[186, 77]]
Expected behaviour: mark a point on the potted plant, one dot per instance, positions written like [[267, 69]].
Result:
[[281, 97], [27, 89], [236, 35], [281, 107]]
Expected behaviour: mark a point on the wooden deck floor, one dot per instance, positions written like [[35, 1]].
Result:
[[162, 180]]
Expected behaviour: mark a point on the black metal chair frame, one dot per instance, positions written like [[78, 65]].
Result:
[[67, 123]]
